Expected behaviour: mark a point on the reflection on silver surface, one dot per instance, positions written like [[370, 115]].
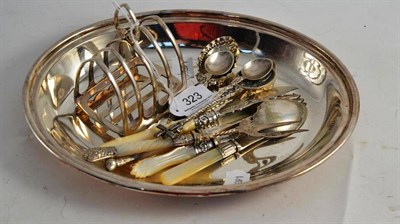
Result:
[[325, 134], [59, 87], [50, 108]]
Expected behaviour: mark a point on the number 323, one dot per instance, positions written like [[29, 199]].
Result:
[[192, 98]]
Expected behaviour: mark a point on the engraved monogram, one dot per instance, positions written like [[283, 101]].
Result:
[[313, 69]]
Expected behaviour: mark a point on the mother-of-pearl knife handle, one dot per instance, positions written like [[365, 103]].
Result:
[[198, 163]]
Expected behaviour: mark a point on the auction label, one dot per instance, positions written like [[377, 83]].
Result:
[[190, 100]]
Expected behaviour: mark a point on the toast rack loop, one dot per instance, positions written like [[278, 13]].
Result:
[[119, 90]]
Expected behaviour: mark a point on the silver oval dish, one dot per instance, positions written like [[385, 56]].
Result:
[[322, 80]]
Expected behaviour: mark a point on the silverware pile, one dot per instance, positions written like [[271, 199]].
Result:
[[127, 94]]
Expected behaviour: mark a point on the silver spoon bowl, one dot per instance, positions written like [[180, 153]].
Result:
[[219, 63], [258, 69], [257, 73]]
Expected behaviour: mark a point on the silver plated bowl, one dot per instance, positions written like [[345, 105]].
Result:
[[322, 80]]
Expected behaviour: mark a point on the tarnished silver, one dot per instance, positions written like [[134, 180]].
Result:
[[323, 81]]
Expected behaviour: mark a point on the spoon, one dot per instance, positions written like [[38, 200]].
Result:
[[257, 69], [219, 63], [216, 61], [258, 74]]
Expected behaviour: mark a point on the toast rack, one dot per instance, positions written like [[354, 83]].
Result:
[[119, 90]]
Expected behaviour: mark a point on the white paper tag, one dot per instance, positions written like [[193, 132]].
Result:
[[190, 100], [236, 177]]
